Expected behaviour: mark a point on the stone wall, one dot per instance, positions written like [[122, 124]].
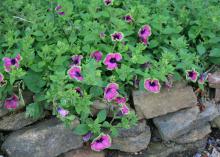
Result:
[[169, 123]]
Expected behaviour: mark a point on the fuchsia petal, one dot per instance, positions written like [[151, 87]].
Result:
[[152, 85], [118, 56], [192, 75], [12, 102], [101, 142], [125, 109], [111, 91], [75, 73]]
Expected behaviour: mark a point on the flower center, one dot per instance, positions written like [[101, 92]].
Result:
[[116, 36], [100, 140], [77, 74], [75, 61], [190, 74], [143, 31], [113, 60], [13, 61], [153, 84]]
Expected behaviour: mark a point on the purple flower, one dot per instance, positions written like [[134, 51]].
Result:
[[75, 73], [128, 18], [97, 55], [117, 36], [87, 137], [77, 59], [62, 112], [102, 142], [108, 2], [202, 78], [120, 100], [192, 75], [9, 62], [79, 91], [144, 33], [111, 60], [12, 102], [111, 91], [124, 109], [57, 8], [152, 85]]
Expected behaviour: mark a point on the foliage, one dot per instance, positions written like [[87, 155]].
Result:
[[185, 35]]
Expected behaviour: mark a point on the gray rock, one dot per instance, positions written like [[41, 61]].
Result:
[[214, 80], [174, 125], [46, 139], [217, 95], [133, 140], [153, 105], [83, 152], [194, 135], [159, 149], [15, 121], [216, 122], [3, 112]]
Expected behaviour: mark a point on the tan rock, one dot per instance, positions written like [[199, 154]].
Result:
[[84, 152], [214, 80], [217, 95], [153, 105]]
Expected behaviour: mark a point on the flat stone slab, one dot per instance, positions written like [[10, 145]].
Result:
[[133, 140], [3, 112], [214, 80], [194, 135], [176, 124], [83, 152], [15, 122], [217, 95], [46, 139], [153, 105]]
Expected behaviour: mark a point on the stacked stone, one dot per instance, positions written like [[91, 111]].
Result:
[[214, 82], [174, 114]]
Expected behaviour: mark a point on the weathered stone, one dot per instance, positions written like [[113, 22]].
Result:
[[217, 95], [159, 149], [214, 80], [15, 121], [174, 125], [84, 152], [3, 112], [132, 140], [153, 105], [194, 135], [216, 122], [46, 139]]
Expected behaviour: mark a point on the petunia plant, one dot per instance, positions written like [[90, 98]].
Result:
[[71, 54]]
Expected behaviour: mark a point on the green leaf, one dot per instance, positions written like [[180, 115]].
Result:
[[215, 52], [101, 116], [81, 129], [96, 91], [34, 110], [201, 49], [34, 81]]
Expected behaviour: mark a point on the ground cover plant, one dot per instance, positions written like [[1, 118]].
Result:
[[69, 53]]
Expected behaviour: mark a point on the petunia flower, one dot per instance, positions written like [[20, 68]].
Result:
[[117, 36], [111, 91], [192, 75], [124, 109], [77, 59], [12, 102], [79, 91], [144, 33], [97, 55], [102, 142], [111, 60], [10, 62], [62, 112], [152, 85], [88, 136], [120, 100], [108, 2], [75, 73], [57, 9], [128, 18], [202, 78]]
